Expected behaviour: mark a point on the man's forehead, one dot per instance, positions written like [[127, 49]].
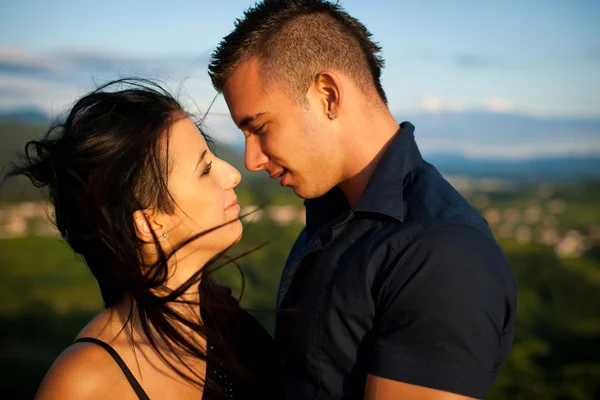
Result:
[[246, 75], [250, 96], [245, 111], [245, 95]]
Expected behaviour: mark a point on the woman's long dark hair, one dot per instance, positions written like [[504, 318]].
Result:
[[105, 160]]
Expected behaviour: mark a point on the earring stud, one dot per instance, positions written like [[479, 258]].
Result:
[[165, 235], [331, 116]]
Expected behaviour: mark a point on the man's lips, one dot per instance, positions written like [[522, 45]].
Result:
[[278, 174], [281, 174]]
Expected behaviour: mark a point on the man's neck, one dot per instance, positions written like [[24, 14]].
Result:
[[364, 149]]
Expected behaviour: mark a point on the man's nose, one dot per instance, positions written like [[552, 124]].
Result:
[[254, 158]]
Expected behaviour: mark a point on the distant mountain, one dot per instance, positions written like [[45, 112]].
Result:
[[534, 169], [25, 115], [484, 135]]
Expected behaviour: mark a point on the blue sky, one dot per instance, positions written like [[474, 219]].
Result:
[[536, 58]]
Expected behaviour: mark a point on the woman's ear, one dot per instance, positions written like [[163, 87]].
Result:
[[146, 223]]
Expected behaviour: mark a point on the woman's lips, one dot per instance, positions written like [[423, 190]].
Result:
[[233, 206]]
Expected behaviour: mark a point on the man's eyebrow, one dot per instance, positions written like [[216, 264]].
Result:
[[243, 123], [201, 158]]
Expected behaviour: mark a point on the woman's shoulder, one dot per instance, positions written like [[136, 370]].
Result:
[[85, 370], [82, 371]]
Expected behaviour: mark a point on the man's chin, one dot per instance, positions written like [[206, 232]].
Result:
[[300, 193], [306, 193]]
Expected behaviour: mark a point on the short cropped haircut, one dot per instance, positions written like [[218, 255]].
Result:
[[293, 40]]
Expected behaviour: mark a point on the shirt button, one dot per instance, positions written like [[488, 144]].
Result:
[[282, 362]]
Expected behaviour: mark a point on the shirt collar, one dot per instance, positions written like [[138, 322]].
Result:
[[384, 193]]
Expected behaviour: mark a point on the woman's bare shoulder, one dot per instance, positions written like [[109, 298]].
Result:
[[82, 371], [85, 370]]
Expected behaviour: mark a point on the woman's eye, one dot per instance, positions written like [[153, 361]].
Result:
[[207, 169]]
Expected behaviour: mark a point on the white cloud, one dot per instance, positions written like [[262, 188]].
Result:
[[50, 97], [435, 103], [19, 61], [70, 80], [53, 81], [15, 54], [498, 104]]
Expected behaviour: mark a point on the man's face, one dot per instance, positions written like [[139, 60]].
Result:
[[293, 143]]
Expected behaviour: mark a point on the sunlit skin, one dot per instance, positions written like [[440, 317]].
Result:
[[202, 186], [301, 145], [281, 137], [381, 388], [311, 153]]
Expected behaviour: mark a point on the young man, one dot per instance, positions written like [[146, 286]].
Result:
[[396, 288]]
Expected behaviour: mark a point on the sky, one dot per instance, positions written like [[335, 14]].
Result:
[[538, 58]]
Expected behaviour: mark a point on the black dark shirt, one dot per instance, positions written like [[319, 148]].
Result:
[[410, 285]]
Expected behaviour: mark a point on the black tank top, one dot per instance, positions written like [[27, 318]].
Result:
[[137, 388]]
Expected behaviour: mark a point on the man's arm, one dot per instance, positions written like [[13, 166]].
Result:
[[445, 310], [381, 388]]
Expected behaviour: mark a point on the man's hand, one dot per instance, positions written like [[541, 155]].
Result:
[[386, 389]]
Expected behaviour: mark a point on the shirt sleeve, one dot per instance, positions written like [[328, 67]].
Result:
[[445, 312]]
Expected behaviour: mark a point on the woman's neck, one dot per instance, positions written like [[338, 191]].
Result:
[[184, 265], [126, 316]]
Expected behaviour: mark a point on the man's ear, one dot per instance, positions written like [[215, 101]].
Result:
[[147, 222], [329, 88]]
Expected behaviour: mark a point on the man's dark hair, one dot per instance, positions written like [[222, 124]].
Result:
[[293, 40]]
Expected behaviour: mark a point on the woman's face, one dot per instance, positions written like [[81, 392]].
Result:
[[202, 186]]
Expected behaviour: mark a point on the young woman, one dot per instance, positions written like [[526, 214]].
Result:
[[138, 192]]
